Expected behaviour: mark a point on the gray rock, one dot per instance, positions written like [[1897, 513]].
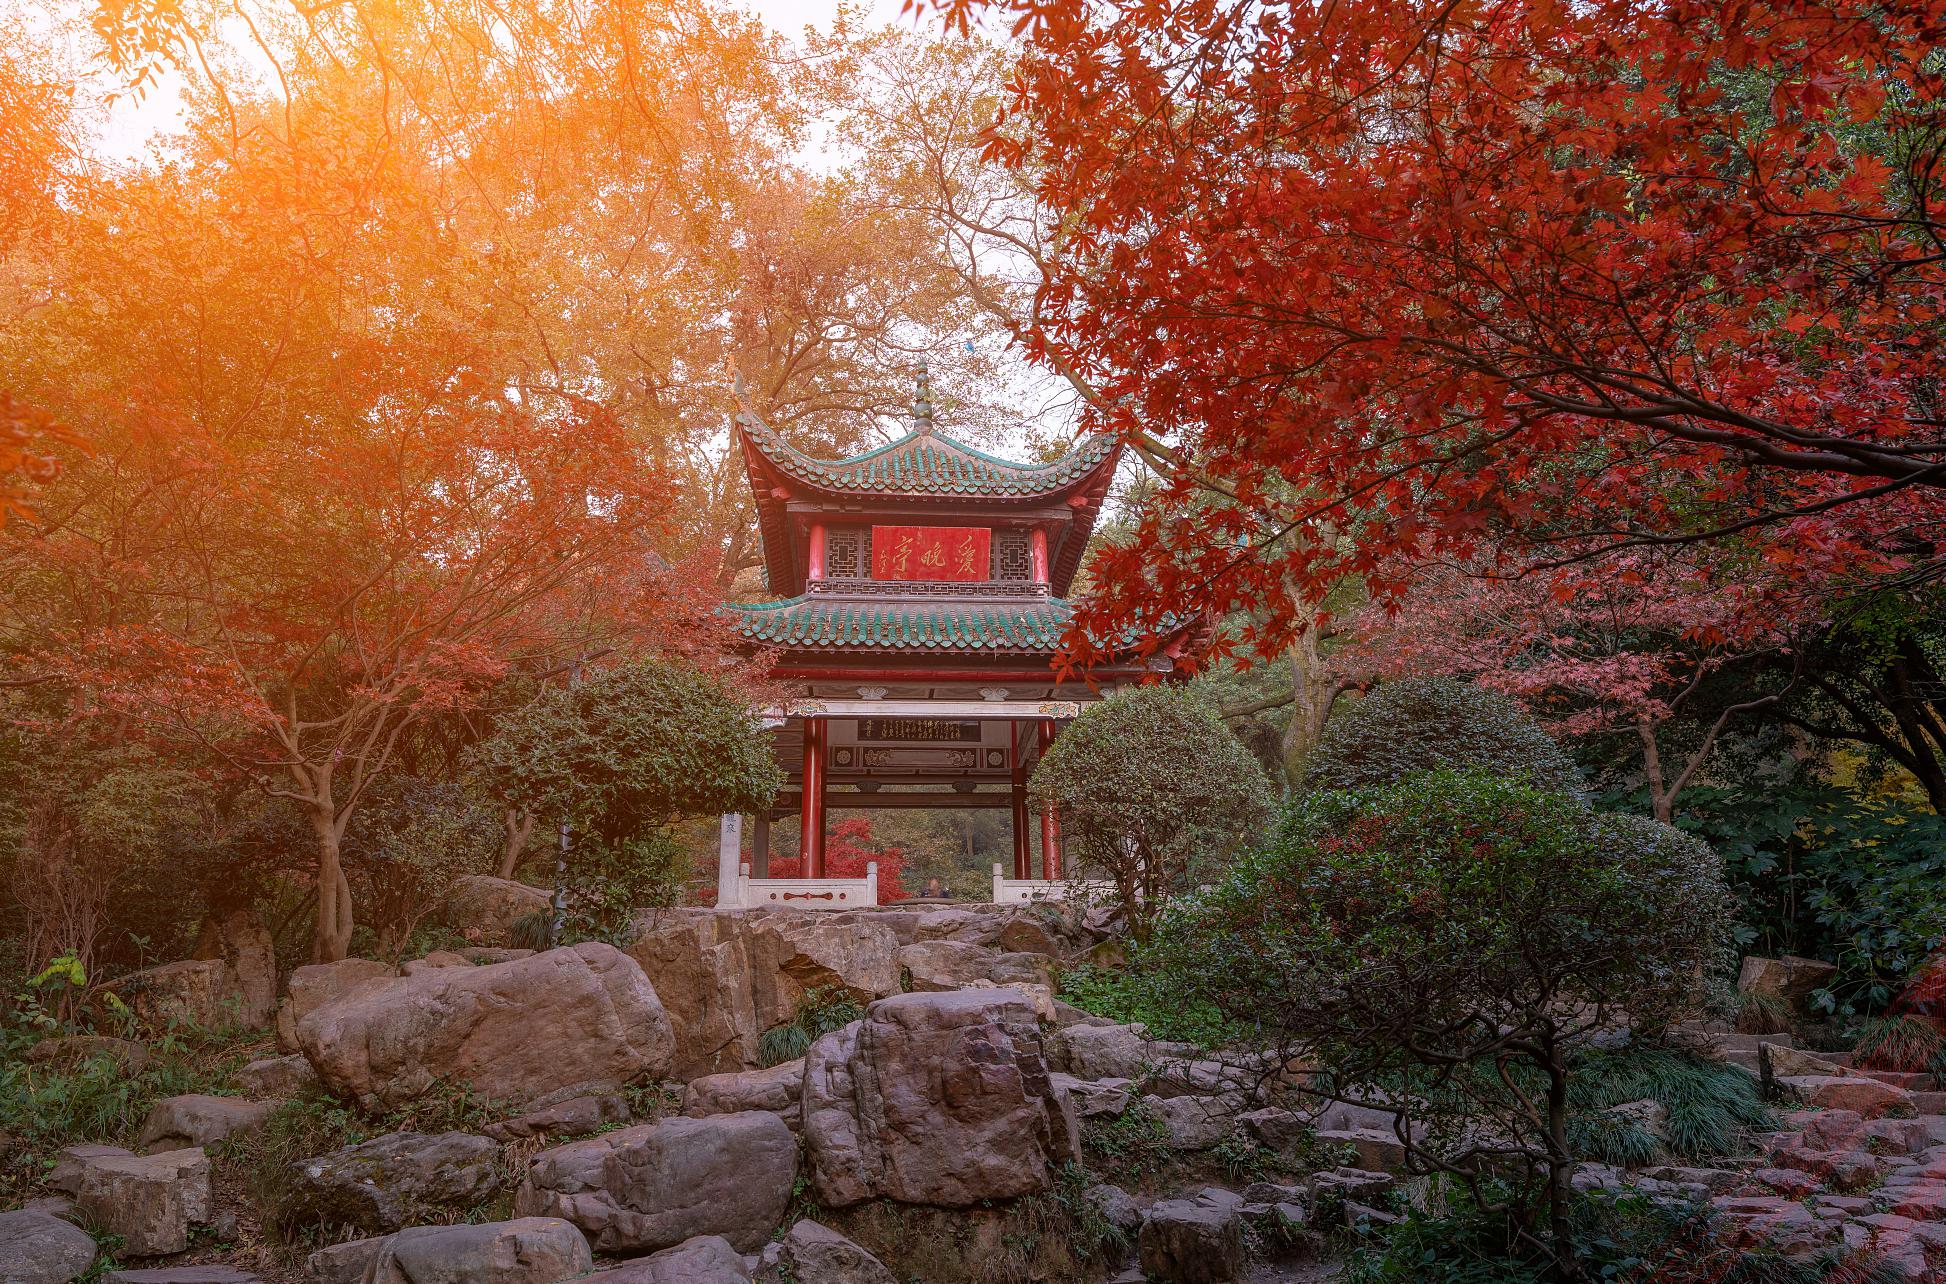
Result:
[[1097, 1098], [1116, 1206], [944, 965], [1283, 1131], [1376, 1151], [287, 1076], [76, 1049], [656, 1185], [1021, 969], [531, 1250], [148, 1200], [1192, 1123], [344, 1263], [199, 1120], [579, 1019], [202, 993], [1102, 1051], [779, 1089], [316, 984], [1191, 1242], [940, 1099], [183, 1275], [389, 1181], [706, 1259], [812, 1253], [65, 1175], [36, 1248], [575, 1117]]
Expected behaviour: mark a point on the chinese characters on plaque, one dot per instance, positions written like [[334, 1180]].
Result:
[[953, 553]]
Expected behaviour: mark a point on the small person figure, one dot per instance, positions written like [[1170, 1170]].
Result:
[[936, 891]]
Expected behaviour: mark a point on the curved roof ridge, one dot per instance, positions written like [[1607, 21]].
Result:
[[920, 459]]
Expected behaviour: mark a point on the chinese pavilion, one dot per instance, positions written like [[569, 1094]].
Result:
[[925, 593]]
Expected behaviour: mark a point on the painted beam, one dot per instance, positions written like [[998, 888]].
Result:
[[963, 709]]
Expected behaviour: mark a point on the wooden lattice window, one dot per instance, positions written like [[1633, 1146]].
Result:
[[848, 553], [1011, 559]]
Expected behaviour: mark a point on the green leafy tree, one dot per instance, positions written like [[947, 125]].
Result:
[[1152, 790], [1442, 945], [1424, 724], [630, 751]]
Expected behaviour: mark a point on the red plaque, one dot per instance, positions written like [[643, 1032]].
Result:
[[955, 553]]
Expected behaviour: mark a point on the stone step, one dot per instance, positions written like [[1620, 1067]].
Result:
[[1929, 1103], [1901, 1079], [1728, 1041]]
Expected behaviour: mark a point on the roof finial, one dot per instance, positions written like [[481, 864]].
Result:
[[922, 401]]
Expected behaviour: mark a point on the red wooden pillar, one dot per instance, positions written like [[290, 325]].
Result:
[[1037, 550], [814, 555], [1023, 853], [1050, 823], [811, 835]]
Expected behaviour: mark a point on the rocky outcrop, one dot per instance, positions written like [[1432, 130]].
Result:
[[314, 986], [390, 1181], [575, 1117], [196, 993], [944, 965], [653, 1186], [583, 1018], [286, 1076], [1193, 1241], [780, 1090], [531, 1250], [486, 909], [1789, 979], [241, 942], [150, 1201], [726, 978], [812, 1253], [175, 1123], [706, 1259], [934, 1099], [36, 1248]]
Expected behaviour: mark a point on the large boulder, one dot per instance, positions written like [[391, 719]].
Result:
[[934, 1099], [1868, 1097], [575, 1117], [1188, 1241], [706, 1259], [944, 965], [780, 1090], [286, 1076], [726, 978], [242, 942], [195, 993], [583, 1018], [486, 909], [1103, 1051], [532, 1250], [194, 1119], [150, 1201], [1789, 979], [651, 1187], [313, 986], [71, 1050], [389, 1181], [812, 1253], [36, 1248]]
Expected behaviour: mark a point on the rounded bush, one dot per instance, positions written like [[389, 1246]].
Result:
[[1430, 724]]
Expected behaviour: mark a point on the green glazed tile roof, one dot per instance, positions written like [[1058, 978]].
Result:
[[801, 624], [930, 463]]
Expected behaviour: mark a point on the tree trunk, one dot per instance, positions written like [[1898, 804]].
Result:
[[519, 827], [331, 940], [1559, 1162], [1661, 802]]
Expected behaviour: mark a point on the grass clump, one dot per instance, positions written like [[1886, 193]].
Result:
[[1712, 1107], [823, 1009], [1905, 1043]]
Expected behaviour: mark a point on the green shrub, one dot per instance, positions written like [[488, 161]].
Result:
[[1429, 724], [1441, 937], [1129, 995], [1154, 792]]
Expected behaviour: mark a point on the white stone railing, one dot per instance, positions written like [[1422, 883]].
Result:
[[806, 893], [1025, 891]]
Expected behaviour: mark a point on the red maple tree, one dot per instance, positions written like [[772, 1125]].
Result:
[[1514, 279], [848, 847]]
